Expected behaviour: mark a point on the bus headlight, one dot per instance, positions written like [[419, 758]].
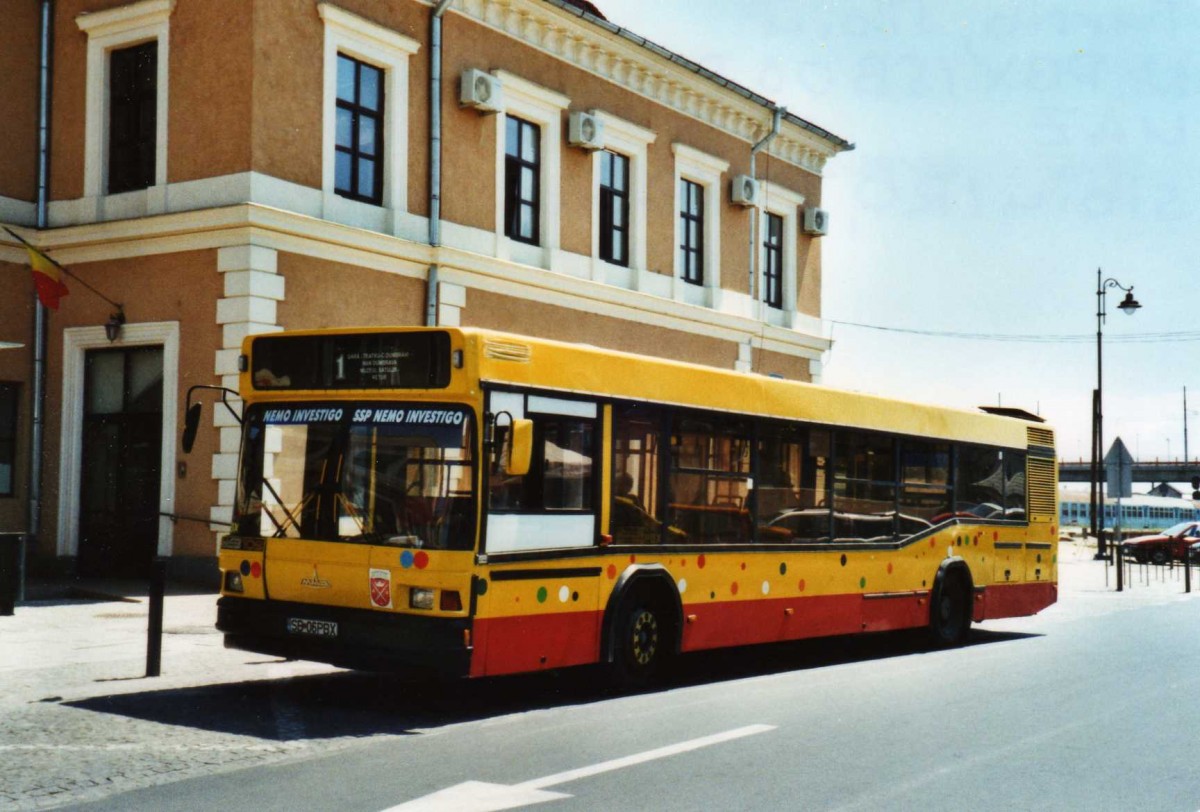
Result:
[[233, 581], [420, 598]]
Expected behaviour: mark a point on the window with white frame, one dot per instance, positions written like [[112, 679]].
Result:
[[357, 172], [614, 207], [522, 180], [365, 114], [125, 107], [778, 233], [537, 112], [772, 291], [619, 193], [691, 231], [698, 211]]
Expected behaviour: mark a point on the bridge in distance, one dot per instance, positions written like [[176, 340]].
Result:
[[1157, 471]]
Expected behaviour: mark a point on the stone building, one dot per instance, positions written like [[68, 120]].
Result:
[[225, 167]]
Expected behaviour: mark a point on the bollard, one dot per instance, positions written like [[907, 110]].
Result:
[[1187, 574], [10, 570], [158, 584]]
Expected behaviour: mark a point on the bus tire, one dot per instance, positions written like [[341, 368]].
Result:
[[641, 641], [950, 609]]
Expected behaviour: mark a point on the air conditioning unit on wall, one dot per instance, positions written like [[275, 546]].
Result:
[[585, 130], [816, 222], [745, 191], [480, 90]]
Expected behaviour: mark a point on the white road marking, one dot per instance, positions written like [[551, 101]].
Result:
[[480, 796]]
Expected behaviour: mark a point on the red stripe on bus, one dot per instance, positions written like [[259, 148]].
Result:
[[1018, 600], [509, 645]]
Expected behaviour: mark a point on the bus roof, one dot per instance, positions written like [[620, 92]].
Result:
[[507, 359], [581, 368]]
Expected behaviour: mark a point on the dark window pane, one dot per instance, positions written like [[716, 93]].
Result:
[[8, 437], [710, 482], [512, 136], [133, 101], [979, 483], [366, 175], [345, 78], [370, 87], [342, 172], [360, 101], [529, 142], [522, 179], [366, 136], [635, 508], [560, 476]]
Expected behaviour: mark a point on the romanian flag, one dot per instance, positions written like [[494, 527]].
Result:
[[47, 278]]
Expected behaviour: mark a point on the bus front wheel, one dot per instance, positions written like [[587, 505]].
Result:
[[640, 644]]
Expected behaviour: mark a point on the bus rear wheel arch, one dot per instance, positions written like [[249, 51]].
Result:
[[950, 608]]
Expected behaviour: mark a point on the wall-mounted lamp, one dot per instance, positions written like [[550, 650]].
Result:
[[112, 327]]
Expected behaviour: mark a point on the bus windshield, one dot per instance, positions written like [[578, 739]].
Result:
[[378, 473]]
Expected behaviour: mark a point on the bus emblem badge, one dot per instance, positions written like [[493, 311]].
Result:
[[315, 581], [381, 588]]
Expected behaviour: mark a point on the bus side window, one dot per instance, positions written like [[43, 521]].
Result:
[[710, 480], [634, 517], [560, 476], [790, 485]]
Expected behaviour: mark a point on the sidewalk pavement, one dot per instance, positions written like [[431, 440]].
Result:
[[85, 649]]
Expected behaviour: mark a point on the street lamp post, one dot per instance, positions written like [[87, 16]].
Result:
[[1128, 306]]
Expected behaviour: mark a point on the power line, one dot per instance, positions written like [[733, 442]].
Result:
[[1034, 338]]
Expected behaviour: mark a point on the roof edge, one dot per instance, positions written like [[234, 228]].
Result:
[[839, 143]]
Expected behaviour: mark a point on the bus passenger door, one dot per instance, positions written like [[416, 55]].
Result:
[[540, 608]]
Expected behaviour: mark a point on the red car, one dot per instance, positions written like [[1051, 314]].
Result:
[[1170, 544]]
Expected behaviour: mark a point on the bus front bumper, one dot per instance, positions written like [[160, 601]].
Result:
[[349, 638]]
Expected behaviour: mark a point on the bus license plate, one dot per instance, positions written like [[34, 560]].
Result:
[[312, 628]]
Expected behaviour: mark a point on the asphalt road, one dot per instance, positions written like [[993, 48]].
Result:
[[1064, 711]]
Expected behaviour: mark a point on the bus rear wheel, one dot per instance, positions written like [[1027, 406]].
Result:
[[949, 615]]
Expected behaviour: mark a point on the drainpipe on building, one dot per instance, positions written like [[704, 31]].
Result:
[[36, 434], [754, 150], [435, 158]]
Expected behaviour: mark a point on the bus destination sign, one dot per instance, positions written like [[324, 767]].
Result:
[[419, 360]]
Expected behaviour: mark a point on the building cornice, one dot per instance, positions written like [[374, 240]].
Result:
[[640, 66], [268, 227], [125, 18]]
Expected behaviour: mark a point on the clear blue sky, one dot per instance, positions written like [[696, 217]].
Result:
[[1005, 151]]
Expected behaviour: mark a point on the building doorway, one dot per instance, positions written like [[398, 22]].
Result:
[[121, 461]]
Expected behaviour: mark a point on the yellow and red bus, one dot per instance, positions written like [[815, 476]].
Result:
[[476, 503]]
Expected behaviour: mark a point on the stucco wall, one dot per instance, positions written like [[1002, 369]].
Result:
[[19, 35], [331, 294]]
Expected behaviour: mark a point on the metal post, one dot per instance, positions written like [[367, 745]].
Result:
[[158, 583], [1120, 567], [1098, 424]]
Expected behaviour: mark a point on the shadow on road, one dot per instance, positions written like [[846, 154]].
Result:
[[349, 704]]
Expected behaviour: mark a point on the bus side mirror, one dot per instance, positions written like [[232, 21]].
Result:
[[191, 423], [191, 420], [520, 448]]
